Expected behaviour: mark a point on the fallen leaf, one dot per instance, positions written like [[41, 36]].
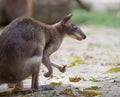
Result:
[[112, 63], [74, 79], [115, 69], [90, 93], [68, 92], [56, 83], [92, 88], [94, 79], [76, 60]]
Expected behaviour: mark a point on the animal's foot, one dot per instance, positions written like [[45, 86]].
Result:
[[47, 74], [18, 87], [63, 69]]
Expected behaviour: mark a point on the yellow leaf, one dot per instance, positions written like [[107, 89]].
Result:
[[94, 79], [115, 69], [74, 79], [76, 60], [92, 88], [112, 63], [90, 93], [68, 92], [56, 83]]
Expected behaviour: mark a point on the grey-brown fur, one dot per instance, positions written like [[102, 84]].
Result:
[[26, 38]]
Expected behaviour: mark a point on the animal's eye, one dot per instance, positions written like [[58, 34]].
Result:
[[73, 24], [74, 27]]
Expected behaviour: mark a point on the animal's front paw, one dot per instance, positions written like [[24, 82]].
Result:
[[47, 74], [63, 69]]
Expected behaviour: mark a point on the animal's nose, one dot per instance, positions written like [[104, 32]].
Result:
[[84, 36]]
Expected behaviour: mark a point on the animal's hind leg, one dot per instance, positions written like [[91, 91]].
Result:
[[35, 83], [35, 74]]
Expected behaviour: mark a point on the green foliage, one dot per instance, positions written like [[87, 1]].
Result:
[[109, 18]]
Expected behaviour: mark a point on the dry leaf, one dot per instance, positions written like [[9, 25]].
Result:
[[74, 79], [112, 63], [68, 92], [92, 88], [56, 83], [90, 93], [94, 79], [76, 60], [115, 69]]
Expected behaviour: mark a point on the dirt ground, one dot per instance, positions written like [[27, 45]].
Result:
[[100, 51]]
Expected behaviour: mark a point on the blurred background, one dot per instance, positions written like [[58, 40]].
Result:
[[92, 12]]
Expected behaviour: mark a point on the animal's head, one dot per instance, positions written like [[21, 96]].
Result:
[[70, 29]]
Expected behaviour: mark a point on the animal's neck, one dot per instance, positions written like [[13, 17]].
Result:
[[58, 28], [54, 32]]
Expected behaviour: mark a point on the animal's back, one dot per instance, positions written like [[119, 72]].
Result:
[[19, 35], [19, 41]]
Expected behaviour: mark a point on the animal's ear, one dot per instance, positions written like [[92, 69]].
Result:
[[66, 20]]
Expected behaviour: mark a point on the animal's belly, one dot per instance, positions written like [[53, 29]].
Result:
[[19, 72], [15, 76]]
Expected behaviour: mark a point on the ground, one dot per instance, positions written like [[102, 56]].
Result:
[[95, 55]]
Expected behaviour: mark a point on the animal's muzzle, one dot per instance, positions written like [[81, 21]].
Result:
[[84, 36]]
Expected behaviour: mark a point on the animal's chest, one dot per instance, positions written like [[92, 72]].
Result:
[[56, 44], [53, 45]]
